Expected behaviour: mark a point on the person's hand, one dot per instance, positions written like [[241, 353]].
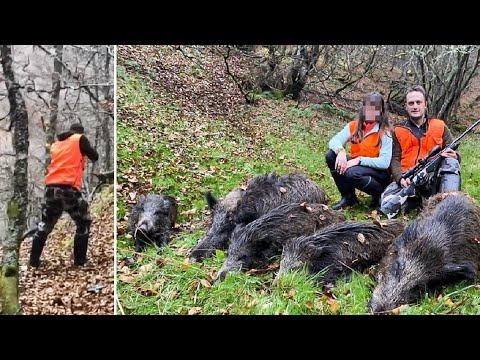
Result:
[[449, 153], [341, 162], [352, 162], [404, 182]]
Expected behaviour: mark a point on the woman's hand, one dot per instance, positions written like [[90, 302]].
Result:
[[352, 162], [341, 162]]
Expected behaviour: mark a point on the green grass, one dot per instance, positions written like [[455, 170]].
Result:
[[470, 166], [160, 151]]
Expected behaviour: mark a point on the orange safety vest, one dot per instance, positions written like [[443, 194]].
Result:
[[414, 149], [66, 167], [367, 147]]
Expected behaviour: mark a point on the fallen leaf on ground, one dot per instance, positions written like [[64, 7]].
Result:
[[195, 310], [361, 238]]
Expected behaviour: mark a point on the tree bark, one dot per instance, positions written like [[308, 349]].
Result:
[[304, 59], [17, 206], [51, 125], [105, 117], [444, 71]]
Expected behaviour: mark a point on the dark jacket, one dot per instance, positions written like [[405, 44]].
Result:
[[85, 147]]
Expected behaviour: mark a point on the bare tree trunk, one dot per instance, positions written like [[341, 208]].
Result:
[[106, 117], [17, 206], [56, 85], [304, 59], [268, 81], [444, 71], [96, 142], [226, 56]]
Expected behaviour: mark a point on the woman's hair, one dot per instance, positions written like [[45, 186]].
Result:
[[374, 98]]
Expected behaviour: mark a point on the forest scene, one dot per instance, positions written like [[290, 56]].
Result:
[[44, 90], [198, 120]]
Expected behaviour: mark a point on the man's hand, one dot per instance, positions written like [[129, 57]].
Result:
[[450, 153], [341, 162], [404, 182]]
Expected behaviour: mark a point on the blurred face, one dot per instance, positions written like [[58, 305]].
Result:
[[416, 106], [372, 110], [371, 113]]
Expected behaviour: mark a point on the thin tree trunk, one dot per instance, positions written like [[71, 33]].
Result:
[[97, 142], [56, 85], [17, 206], [304, 59], [106, 117]]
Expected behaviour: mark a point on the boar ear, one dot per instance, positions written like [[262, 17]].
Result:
[[171, 200], [211, 201], [141, 199], [460, 271]]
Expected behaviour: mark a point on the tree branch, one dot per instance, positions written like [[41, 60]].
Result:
[[229, 73]]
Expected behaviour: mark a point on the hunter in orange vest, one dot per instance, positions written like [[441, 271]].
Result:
[[67, 163], [63, 192], [370, 153], [412, 141]]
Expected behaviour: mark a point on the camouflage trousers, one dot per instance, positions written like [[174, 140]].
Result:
[[58, 199]]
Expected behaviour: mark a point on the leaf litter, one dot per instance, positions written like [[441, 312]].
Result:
[[59, 287]]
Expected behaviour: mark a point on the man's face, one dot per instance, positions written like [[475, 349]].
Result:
[[416, 105]]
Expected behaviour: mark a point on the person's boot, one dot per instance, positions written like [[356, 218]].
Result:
[[372, 189], [345, 201], [412, 204], [38, 243], [375, 204], [346, 190], [80, 245]]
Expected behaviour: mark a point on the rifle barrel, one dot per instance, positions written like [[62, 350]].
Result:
[[470, 128]]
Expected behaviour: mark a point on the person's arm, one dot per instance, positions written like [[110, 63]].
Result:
[[339, 140], [447, 136], [381, 162], [395, 164], [87, 150], [448, 139]]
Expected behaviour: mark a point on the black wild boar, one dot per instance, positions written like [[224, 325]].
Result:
[[223, 223], [262, 194], [340, 248], [152, 219], [267, 192], [252, 245], [440, 247]]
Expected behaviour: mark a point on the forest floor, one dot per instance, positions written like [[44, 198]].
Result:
[[59, 287]]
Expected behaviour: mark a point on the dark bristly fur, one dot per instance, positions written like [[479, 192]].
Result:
[[440, 247], [339, 249], [267, 192], [152, 219], [253, 245], [263, 193], [223, 223]]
